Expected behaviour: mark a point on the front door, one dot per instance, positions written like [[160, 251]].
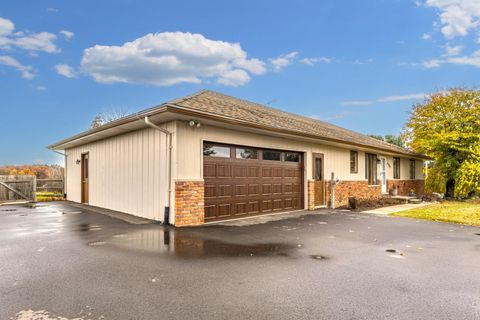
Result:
[[383, 174], [319, 196], [84, 177]]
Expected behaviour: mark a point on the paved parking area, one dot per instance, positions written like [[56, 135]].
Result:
[[64, 261]]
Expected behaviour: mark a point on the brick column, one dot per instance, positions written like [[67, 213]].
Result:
[[311, 194], [189, 203]]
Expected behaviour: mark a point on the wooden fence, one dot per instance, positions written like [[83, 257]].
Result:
[[27, 188]]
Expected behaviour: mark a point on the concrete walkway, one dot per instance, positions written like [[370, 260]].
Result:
[[398, 208]]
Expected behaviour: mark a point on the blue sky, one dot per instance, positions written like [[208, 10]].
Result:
[[358, 64]]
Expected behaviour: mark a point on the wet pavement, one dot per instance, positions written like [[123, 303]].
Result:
[[62, 261]]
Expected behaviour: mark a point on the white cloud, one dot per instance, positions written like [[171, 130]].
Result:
[[431, 64], [42, 41], [26, 71], [362, 62], [356, 102], [468, 60], [170, 58], [394, 98], [65, 70], [414, 96], [283, 60], [313, 61], [452, 50], [67, 34], [457, 17], [426, 36]]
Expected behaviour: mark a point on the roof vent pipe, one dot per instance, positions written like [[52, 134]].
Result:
[[166, 217]]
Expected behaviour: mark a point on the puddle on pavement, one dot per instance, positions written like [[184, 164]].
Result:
[[88, 227], [8, 210], [187, 245]]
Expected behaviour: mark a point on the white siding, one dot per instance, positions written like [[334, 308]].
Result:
[[128, 173]]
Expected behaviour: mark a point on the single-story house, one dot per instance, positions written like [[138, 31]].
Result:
[[209, 157]]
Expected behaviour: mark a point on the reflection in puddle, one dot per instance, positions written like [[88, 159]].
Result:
[[88, 227], [187, 245]]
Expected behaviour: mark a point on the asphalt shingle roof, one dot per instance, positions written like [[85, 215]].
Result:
[[222, 105]]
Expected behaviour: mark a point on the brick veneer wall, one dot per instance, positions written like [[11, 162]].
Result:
[[358, 189], [189, 203], [311, 194], [404, 186]]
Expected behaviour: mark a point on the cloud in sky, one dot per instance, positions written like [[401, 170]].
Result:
[[394, 98], [42, 41], [170, 58], [26, 71], [283, 60], [457, 17], [67, 34], [313, 61], [65, 70], [466, 60]]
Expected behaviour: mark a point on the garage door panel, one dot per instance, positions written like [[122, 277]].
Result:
[[244, 187], [224, 190]]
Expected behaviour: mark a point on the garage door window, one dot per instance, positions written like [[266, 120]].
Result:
[[292, 157], [216, 151], [272, 155], [246, 153]]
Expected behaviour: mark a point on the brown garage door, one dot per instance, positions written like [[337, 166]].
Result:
[[243, 181]]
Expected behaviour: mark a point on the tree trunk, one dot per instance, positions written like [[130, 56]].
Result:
[[450, 188]]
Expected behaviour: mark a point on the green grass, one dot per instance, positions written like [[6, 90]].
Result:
[[448, 211], [49, 196]]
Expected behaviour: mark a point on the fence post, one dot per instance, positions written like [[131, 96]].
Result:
[[34, 189]]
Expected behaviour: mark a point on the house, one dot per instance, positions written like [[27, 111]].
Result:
[[209, 157]]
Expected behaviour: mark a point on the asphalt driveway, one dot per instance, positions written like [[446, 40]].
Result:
[[61, 261]]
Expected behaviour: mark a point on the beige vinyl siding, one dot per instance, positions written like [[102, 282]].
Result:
[[128, 173], [190, 148], [337, 159]]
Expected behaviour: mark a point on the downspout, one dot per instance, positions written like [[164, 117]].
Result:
[[169, 178]]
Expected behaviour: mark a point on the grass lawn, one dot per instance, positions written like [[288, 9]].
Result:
[[448, 211]]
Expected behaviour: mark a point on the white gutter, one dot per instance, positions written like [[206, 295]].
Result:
[[169, 178]]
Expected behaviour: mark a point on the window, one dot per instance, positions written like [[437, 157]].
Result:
[[412, 169], [371, 168], [246, 153], [317, 169], [353, 162], [210, 150], [292, 157], [272, 155], [396, 168]]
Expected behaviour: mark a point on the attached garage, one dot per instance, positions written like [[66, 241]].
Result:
[[210, 157], [244, 181]]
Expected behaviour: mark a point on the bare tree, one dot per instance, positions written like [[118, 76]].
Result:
[[106, 117]]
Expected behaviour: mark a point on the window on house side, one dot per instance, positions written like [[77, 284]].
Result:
[[412, 169], [353, 162], [396, 168], [371, 168]]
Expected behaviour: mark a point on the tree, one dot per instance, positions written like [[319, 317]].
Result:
[[106, 117], [446, 127], [390, 138]]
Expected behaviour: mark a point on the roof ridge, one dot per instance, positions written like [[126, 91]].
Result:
[[294, 115], [190, 96]]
